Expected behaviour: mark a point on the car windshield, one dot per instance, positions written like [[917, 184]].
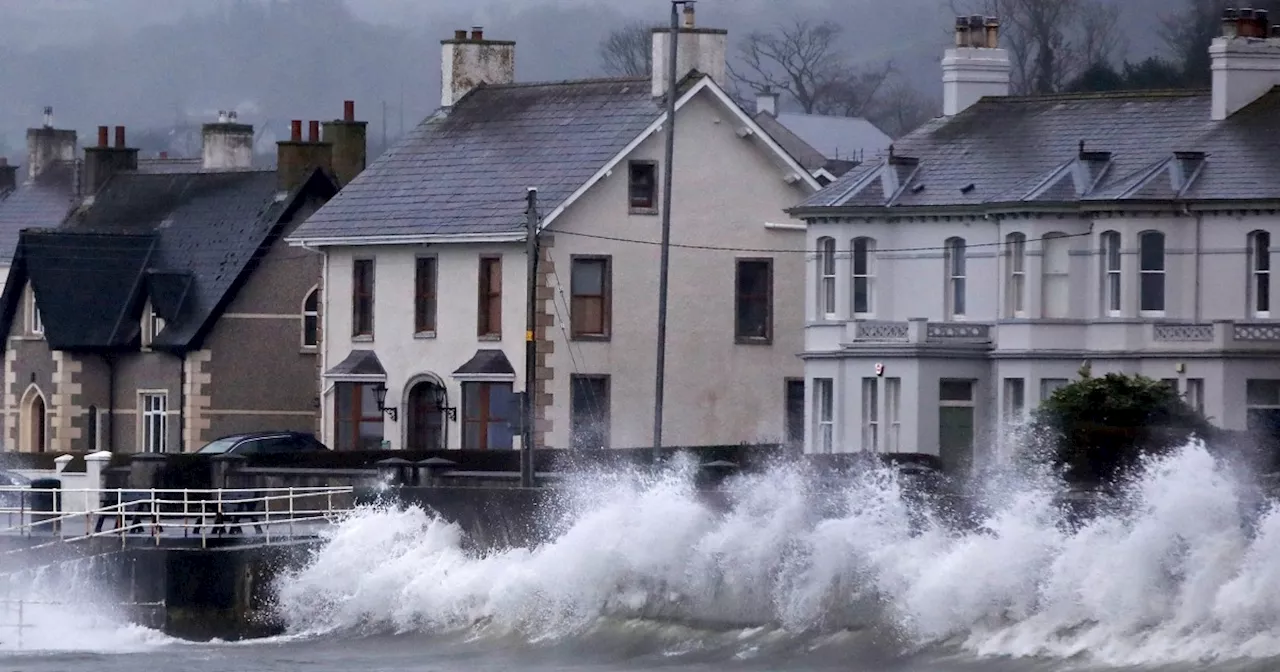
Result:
[[218, 446]]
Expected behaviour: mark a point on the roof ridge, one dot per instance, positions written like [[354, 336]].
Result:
[[1102, 95], [570, 82]]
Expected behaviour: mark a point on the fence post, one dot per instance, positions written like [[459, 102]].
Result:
[[291, 512]]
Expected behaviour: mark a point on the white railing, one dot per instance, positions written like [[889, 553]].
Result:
[[14, 614], [275, 514]]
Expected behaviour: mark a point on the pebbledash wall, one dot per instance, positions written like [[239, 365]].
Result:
[[234, 384]]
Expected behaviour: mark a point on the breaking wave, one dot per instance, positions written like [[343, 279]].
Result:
[[1183, 569]]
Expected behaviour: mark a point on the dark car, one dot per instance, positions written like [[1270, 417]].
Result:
[[263, 443]]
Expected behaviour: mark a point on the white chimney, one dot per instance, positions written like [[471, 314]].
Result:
[[767, 102], [469, 61], [976, 67], [228, 144], [47, 146], [1245, 62], [701, 49]]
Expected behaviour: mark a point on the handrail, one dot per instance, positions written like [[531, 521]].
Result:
[[221, 509]]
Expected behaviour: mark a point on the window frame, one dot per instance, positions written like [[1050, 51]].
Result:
[[1015, 390], [957, 277], [1259, 288], [1111, 253], [649, 207], [892, 414], [1049, 279], [153, 423], [311, 332], [738, 336], [824, 420], [356, 416], [426, 292], [605, 298], [871, 414], [363, 298], [35, 323], [867, 276], [1144, 273], [1016, 278], [486, 296], [604, 411], [826, 269], [487, 417], [1050, 385]]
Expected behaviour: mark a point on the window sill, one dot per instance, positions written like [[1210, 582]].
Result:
[[425, 335], [308, 350], [740, 340], [362, 338], [489, 338], [1151, 313], [588, 338], [650, 212]]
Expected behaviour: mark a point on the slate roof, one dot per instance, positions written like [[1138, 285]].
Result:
[[468, 172], [205, 231], [1137, 147], [184, 165], [847, 138], [358, 363], [487, 362], [41, 203]]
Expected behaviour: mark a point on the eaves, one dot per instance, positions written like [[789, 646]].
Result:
[[413, 239]]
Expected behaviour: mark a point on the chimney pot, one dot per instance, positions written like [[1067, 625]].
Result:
[[222, 116], [1230, 23], [962, 31], [348, 110], [689, 17], [993, 32], [460, 35], [231, 115], [977, 34], [48, 116], [102, 136], [295, 130], [120, 144], [477, 33], [313, 131], [1246, 24], [164, 155]]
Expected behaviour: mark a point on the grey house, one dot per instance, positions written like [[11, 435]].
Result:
[[961, 279], [163, 309]]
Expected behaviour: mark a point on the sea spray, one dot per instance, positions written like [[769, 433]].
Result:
[[1183, 570]]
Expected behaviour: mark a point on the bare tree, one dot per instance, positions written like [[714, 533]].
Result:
[[804, 60], [901, 108], [628, 51], [1051, 42]]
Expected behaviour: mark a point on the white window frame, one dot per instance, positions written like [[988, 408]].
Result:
[[892, 414], [1015, 399], [1016, 298], [1049, 279], [1259, 274], [1194, 394], [956, 269], [1112, 274], [871, 415], [152, 325], [102, 435], [867, 277], [824, 405], [35, 323], [1160, 272], [827, 278], [315, 291], [153, 422]]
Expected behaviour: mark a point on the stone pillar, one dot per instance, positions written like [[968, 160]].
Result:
[[544, 345]]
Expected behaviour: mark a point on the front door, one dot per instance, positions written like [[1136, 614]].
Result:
[[955, 426], [795, 412]]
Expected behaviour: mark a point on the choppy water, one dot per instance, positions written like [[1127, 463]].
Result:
[[1182, 576]]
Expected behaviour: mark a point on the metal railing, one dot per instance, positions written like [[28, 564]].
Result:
[[275, 514]]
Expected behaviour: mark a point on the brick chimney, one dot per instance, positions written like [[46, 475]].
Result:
[[228, 144], [701, 49], [47, 146], [469, 61], [976, 67], [297, 158], [1245, 61], [103, 161], [8, 176], [347, 136]]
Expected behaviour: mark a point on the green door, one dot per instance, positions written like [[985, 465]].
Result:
[[955, 439]]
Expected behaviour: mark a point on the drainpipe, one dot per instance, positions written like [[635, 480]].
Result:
[[182, 402], [111, 403], [1196, 300]]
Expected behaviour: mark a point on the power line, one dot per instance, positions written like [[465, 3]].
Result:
[[792, 250]]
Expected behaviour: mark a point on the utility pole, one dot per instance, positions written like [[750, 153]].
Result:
[[530, 343], [664, 265]]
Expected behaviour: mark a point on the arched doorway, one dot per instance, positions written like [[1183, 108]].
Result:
[[34, 422], [426, 419]]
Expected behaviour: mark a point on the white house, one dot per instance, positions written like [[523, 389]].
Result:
[[424, 294], [965, 276]]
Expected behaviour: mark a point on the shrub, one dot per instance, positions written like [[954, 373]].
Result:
[[1099, 428]]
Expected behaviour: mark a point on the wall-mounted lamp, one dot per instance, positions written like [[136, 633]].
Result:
[[380, 395]]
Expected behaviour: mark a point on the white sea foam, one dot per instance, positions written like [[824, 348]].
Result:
[[1185, 572]]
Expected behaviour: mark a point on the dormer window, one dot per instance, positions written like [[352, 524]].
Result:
[[152, 325], [642, 188]]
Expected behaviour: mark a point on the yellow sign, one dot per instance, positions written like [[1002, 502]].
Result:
[[528, 335]]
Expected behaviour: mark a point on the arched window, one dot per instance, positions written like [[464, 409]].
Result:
[[1111, 279], [426, 416], [955, 278], [827, 278], [311, 319], [34, 422], [1055, 283], [1016, 287], [1151, 264], [1260, 274], [864, 252]]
